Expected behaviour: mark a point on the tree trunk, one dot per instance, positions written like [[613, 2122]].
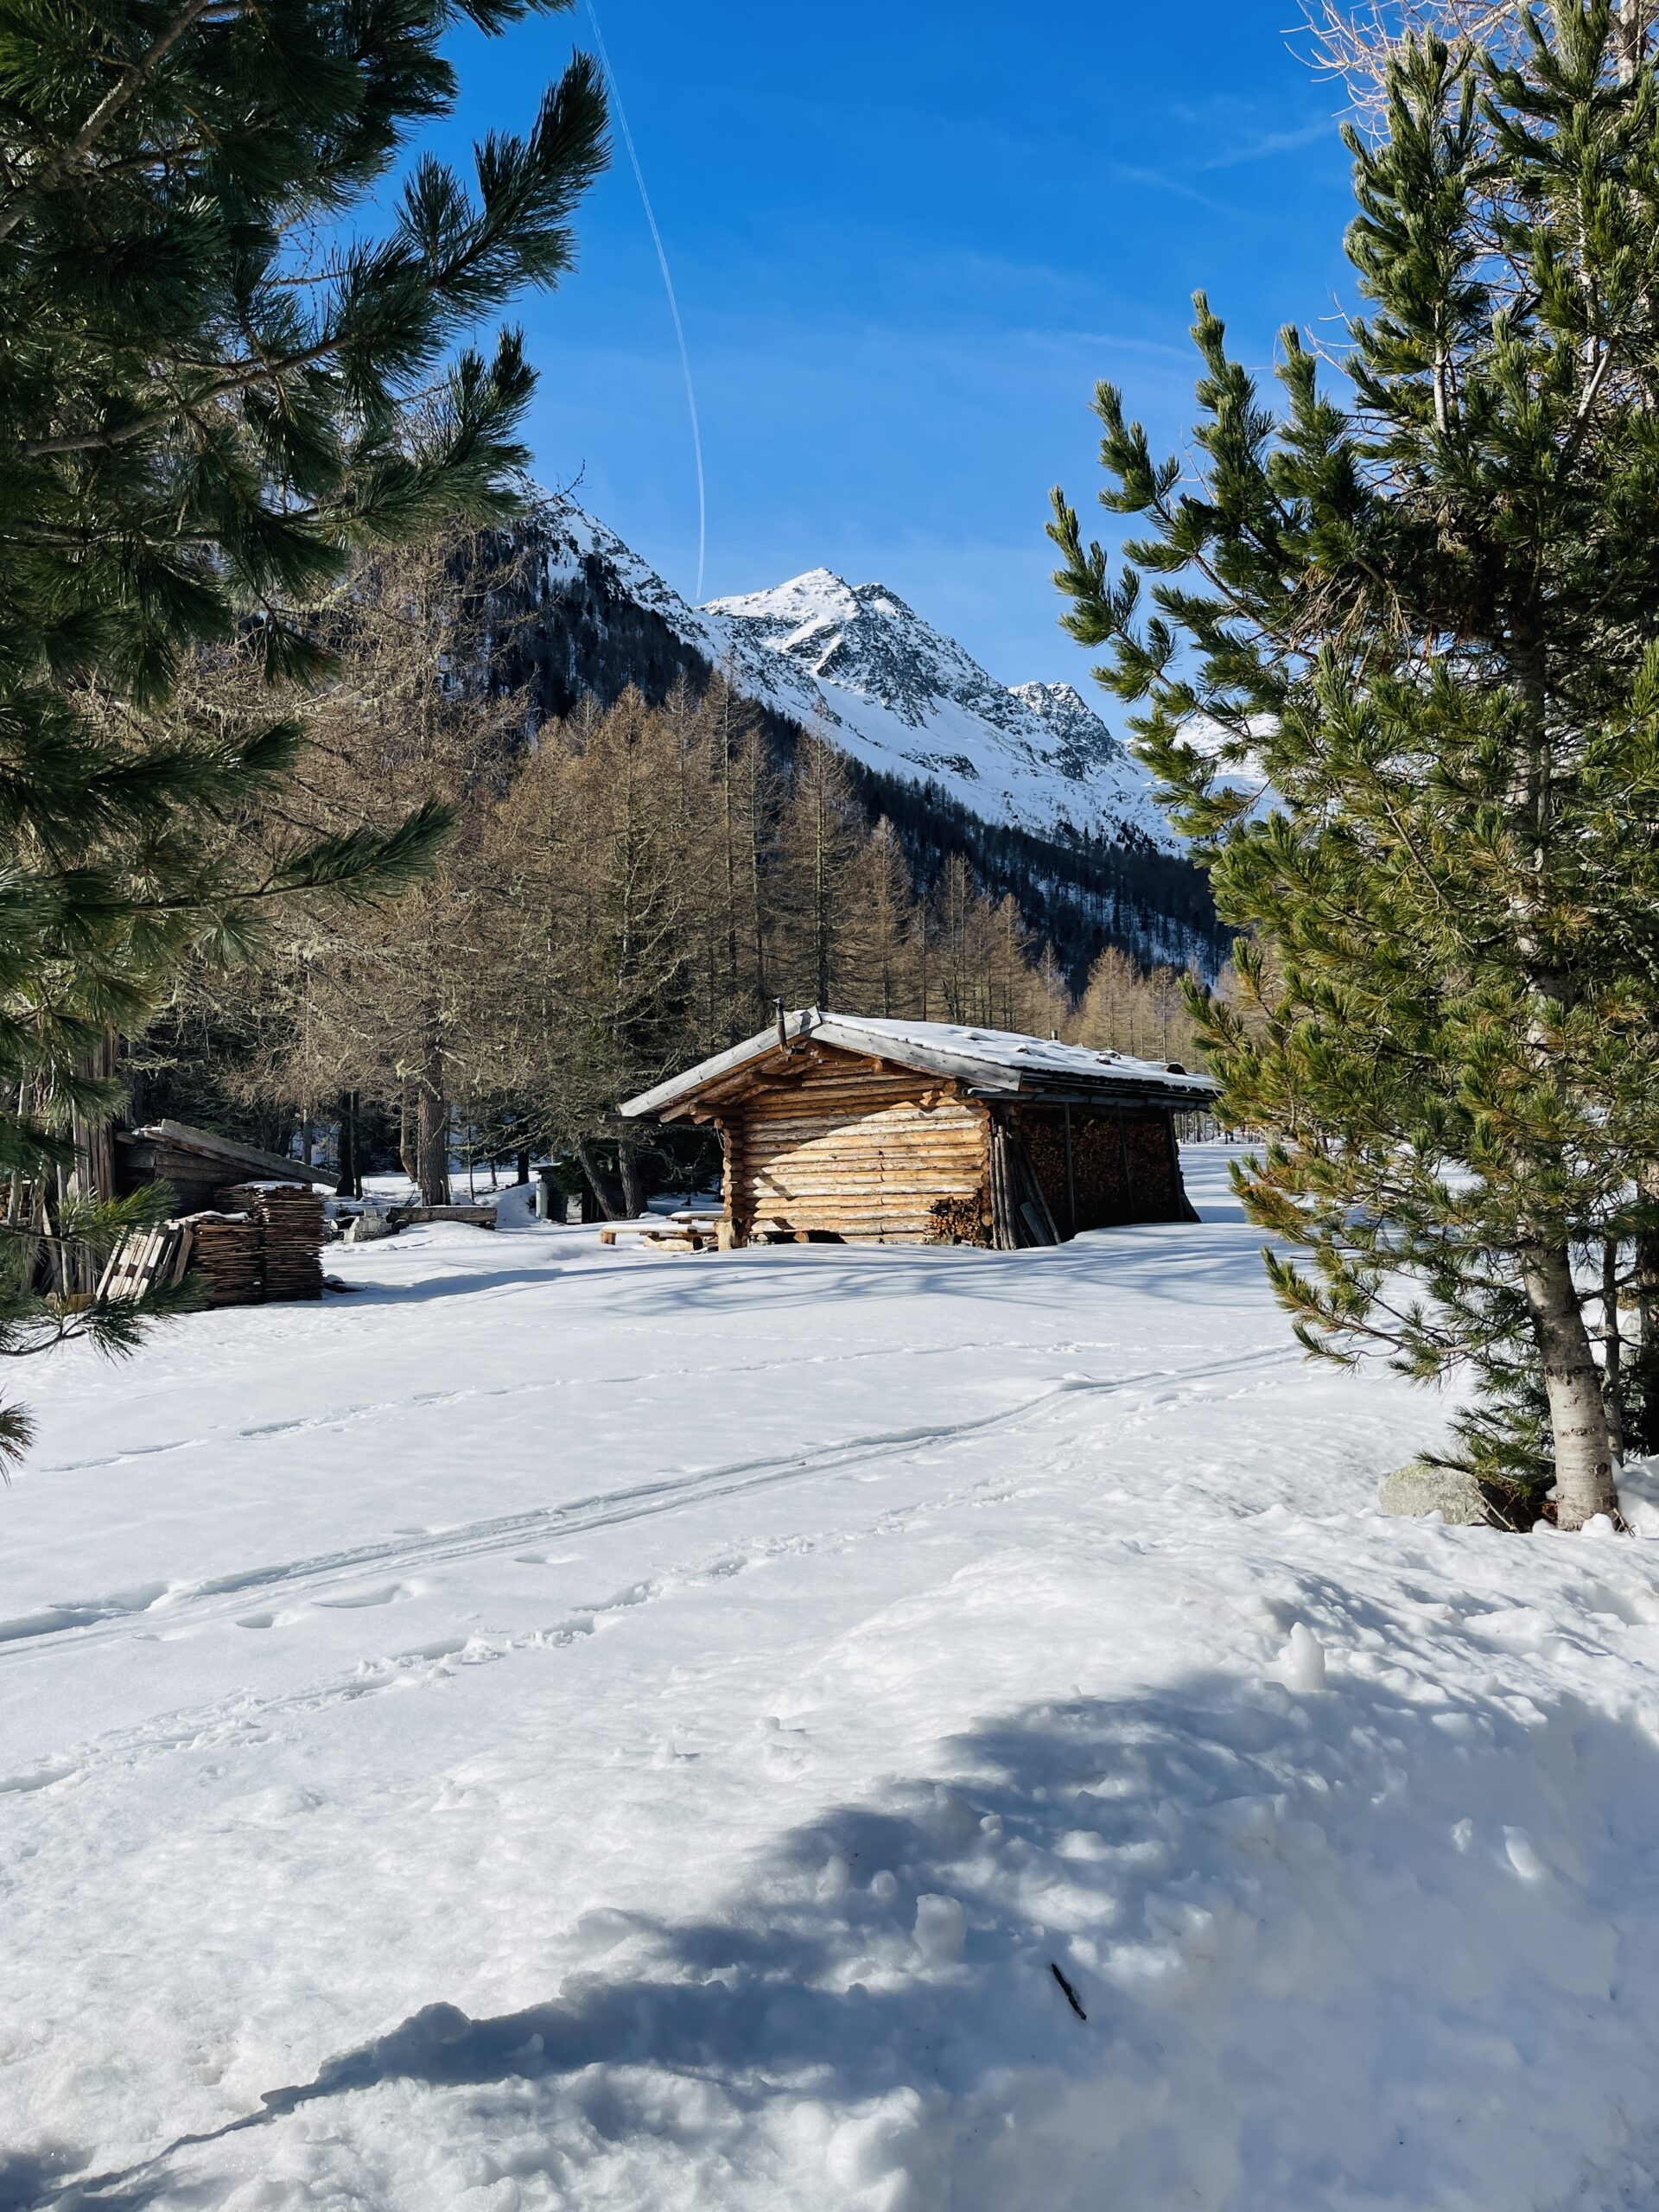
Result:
[[350, 1182], [1612, 1349], [599, 1183], [523, 1175], [1642, 1390], [94, 1172], [432, 1132], [1578, 1416], [633, 1188]]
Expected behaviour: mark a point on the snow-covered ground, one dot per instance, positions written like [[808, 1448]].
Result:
[[564, 1727]]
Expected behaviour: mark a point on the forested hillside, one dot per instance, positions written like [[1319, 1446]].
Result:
[[626, 887], [1068, 830]]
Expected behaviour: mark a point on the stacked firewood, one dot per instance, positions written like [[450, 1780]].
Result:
[[290, 1216], [958, 1221], [226, 1250]]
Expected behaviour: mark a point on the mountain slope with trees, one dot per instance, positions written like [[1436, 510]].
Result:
[[1053, 813]]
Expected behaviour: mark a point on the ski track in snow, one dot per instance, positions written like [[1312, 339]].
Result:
[[978, 1785], [129, 1612], [247, 1719]]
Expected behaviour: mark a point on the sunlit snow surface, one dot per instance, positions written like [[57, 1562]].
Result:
[[565, 1727]]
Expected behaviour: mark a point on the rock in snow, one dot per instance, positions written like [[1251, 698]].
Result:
[[564, 1730], [1420, 1488]]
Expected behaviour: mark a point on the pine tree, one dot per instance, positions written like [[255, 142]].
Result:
[[1427, 620], [209, 396]]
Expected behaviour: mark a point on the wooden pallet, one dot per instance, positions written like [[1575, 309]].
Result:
[[145, 1259]]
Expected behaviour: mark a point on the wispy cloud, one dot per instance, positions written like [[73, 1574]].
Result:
[[1269, 143], [1161, 180]]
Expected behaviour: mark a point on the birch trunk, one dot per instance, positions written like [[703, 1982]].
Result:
[[1578, 1415]]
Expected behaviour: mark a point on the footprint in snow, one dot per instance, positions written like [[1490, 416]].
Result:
[[389, 1594]]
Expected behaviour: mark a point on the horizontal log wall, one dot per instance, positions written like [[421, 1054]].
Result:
[[852, 1151]]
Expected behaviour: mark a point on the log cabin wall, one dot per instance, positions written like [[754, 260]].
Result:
[[869, 1155]]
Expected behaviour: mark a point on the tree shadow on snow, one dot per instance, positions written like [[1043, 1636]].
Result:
[[366, 1294], [1182, 1266], [1356, 1940]]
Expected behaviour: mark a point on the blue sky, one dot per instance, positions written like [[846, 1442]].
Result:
[[906, 239]]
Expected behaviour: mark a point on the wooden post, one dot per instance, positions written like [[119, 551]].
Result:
[[1129, 1172], [1005, 1226], [1071, 1177], [1184, 1208]]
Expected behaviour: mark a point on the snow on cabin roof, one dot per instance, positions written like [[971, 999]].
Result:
[[995, 1061]]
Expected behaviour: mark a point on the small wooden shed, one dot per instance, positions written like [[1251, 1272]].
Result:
[[199, 1164], [926, 1133]]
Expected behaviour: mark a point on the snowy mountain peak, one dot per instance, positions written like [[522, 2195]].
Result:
[[1083, 741], [906, 698], [865, 638], [869, 673]]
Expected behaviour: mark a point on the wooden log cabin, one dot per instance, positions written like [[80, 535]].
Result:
[[924, 1133]]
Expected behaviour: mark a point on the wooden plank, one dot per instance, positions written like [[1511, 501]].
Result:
[[804, 1105], [181, 1256], [802, 1176], [947, 1167], [893, 1145], [765, 1127], [890, 1137], [884, 1189]]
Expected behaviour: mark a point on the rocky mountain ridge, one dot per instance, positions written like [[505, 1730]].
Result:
[[1026, 781]]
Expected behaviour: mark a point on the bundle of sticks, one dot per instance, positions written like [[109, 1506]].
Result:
[[290, 1216]]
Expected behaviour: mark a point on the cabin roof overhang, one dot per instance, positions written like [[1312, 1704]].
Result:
[[993, 1066]]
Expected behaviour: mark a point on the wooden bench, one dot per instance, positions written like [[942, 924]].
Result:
[[686, 1231], [478, 1217]]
